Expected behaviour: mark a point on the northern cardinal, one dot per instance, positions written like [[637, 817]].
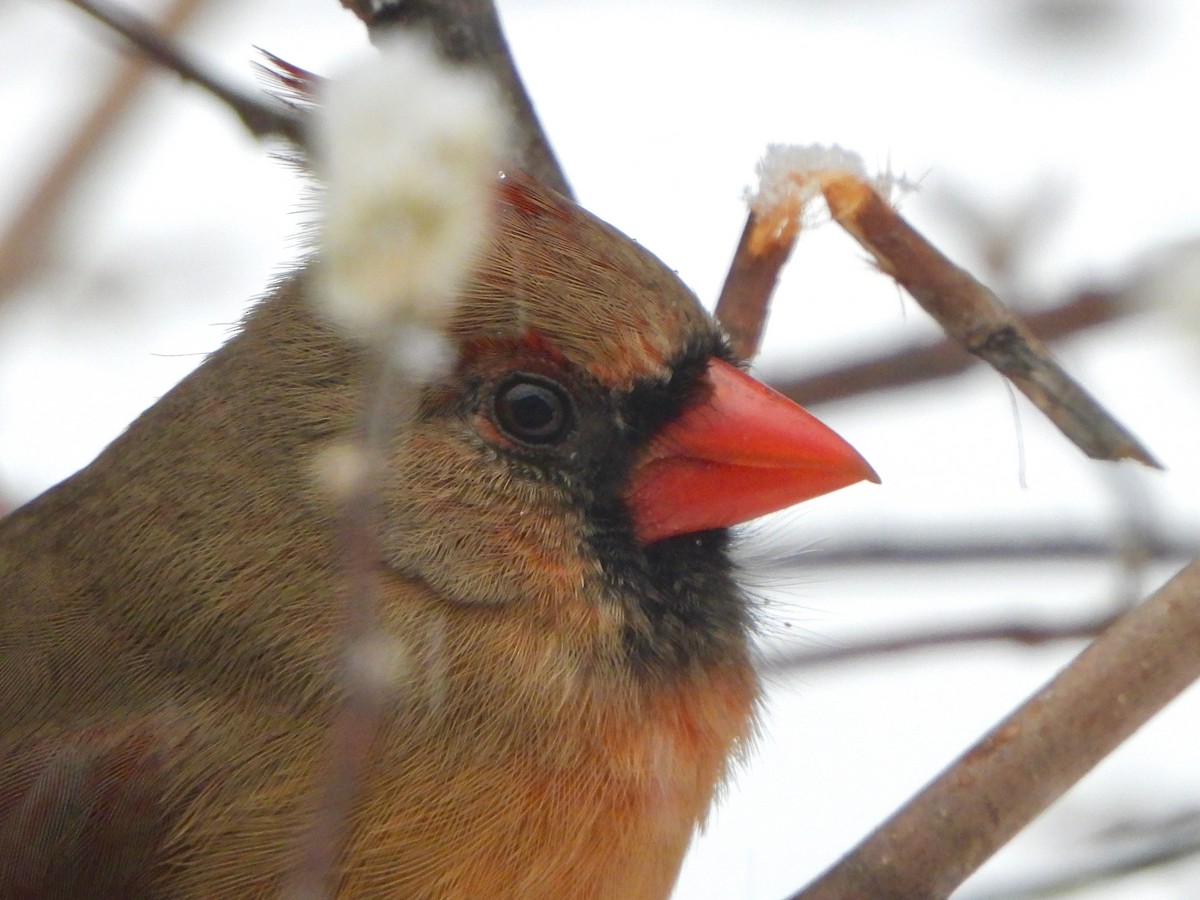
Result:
[[577, 674]]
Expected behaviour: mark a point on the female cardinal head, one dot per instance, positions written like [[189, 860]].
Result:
[[572, 672], [594, 442]]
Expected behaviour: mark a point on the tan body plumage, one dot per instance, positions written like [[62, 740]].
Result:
[[569, 700], [168, 617]]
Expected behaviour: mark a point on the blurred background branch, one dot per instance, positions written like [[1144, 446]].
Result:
[[1098, 316]]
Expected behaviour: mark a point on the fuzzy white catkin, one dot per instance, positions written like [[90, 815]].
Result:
[[407, 148]]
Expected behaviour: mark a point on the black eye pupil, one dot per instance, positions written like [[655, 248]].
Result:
[[533, 410]]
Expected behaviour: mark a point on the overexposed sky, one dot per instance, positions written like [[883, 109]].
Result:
[[659, 111]]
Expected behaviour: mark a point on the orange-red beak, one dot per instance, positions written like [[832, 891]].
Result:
[[741, 451]]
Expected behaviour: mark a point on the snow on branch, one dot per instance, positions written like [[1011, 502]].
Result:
[[967, 310]]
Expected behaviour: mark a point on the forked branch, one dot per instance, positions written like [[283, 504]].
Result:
[[969, 313]]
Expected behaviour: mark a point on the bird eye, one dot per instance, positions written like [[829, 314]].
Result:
[[534, 410]]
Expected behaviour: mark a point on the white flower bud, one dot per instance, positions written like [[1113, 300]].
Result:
[[406, 145]]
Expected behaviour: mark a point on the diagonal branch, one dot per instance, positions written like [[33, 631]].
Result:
[[25, 246], [973, 316], [260, 117], [1101, 872], [1116, 685], [916, 365], [761, 254]]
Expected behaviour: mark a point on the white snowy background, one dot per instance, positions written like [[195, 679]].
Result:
[[1077, 117]]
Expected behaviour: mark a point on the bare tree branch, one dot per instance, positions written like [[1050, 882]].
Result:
[[973, 808], [389, 402], [1026, 633], [761, 253], [261, 118], [944, 549], [1179, 841], [24, 248], [416, 259], [972, 315], [917, 365]]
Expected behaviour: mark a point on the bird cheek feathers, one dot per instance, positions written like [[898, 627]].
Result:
[[457, 519]]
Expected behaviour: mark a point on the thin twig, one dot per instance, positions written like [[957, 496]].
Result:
[[367, 680], [1108, 866], [762, 252], [391, 282], [1112, 688], [25, 246], [469, 32], [1029, 547], [261, 118], [972, 315], [946, 358], [1024, 633]]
